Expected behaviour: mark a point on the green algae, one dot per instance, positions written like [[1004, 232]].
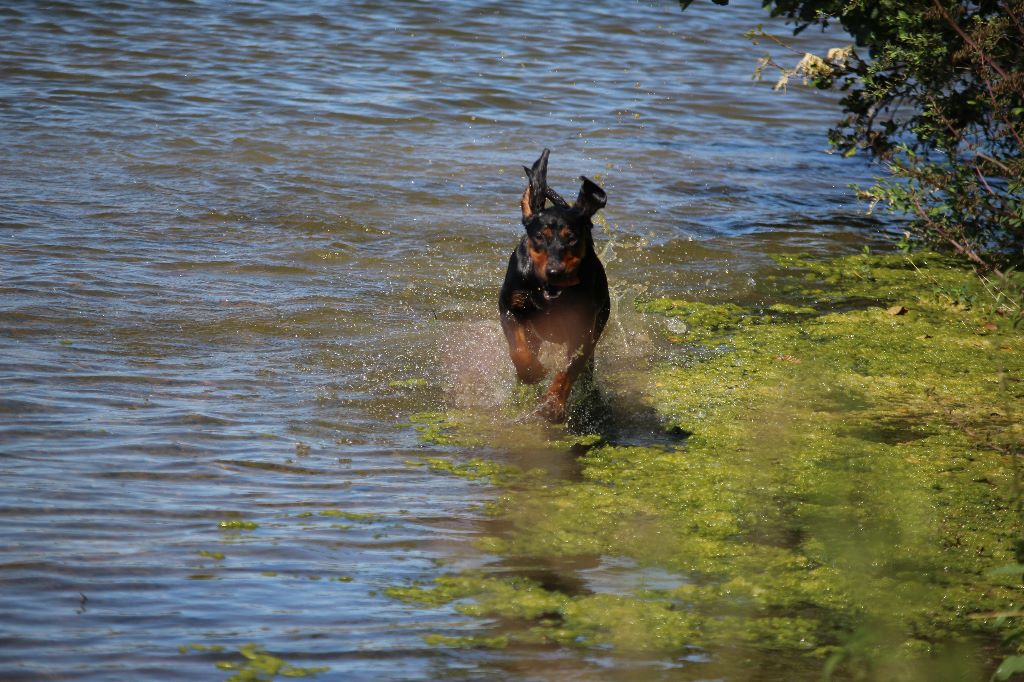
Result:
[[477, 468], [701, 318], [471, 430], [467, 642], [515, 598], [444, 428], [238, 524], [790, 309], [932, 279], [351, 516], [258, 666], [214, 648], [846, 492], [511, 428], [578, 443]]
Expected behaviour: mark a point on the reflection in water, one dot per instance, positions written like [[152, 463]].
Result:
[[241, 245]]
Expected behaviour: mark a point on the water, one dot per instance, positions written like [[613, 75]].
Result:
[[241, 243]]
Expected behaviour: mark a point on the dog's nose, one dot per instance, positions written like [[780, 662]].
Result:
[[554, 270]]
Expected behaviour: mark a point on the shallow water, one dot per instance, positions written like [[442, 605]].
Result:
[[241, 244]]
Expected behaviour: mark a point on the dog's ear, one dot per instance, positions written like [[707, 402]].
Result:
[[557, 199], [537, 186], [591, 198]]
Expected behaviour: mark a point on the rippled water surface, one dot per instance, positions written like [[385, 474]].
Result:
[[241, 243]]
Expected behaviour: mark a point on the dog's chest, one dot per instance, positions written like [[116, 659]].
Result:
[[563, 321]]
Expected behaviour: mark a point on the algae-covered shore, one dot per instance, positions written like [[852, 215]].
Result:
[[848, 496]]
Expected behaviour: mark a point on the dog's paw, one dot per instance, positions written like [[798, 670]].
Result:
[[531, 373], [552, 409]]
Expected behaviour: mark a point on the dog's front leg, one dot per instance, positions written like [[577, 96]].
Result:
[[523, 346], [552, 407]]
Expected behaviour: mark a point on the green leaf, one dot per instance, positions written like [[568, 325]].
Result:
[[1009, 667]]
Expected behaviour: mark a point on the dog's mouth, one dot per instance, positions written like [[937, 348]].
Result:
[[554, 289], [551, 293]]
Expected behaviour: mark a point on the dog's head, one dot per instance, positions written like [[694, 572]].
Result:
[[559, 235]]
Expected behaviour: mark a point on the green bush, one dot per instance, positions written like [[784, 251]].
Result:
[[934, 90]]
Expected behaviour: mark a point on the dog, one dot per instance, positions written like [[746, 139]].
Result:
[[555, 288]]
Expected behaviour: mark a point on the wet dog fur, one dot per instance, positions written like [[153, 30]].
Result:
[[555, 287]]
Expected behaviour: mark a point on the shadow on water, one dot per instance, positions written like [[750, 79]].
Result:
[[619, 415], [607, 406]]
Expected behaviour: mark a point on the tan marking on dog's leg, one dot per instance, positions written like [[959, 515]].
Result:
[[524, 357], [552, 407]]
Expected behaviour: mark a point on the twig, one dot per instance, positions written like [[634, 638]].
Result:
[[970, 41], [963, 249], [991, 160], [760, 33], [998, 295], [981, 176]]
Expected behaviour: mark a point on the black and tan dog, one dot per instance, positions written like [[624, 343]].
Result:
[[555, 288]]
